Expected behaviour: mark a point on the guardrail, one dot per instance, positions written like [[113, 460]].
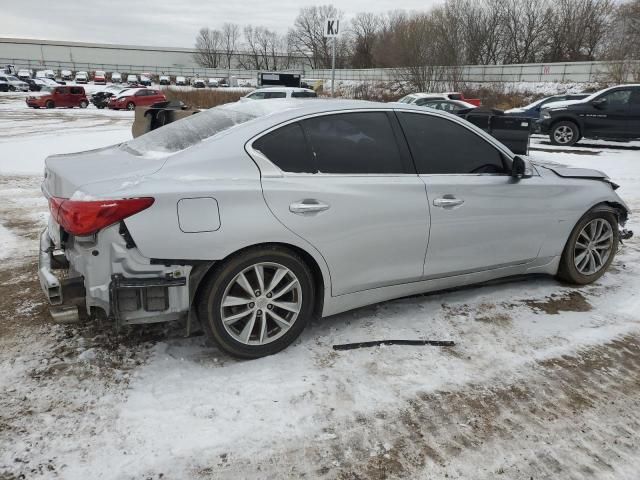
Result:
[[579, 72]]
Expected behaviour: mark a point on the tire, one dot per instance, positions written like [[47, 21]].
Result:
[[565, 133], [267, 334], [50, 104], [131, 106], [100, 107], [571, 268], [83, 104]]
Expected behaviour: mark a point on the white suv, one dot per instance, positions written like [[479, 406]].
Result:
[[269, 93]]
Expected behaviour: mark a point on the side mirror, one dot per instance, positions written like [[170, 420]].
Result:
[[599, 102], [519, 168]]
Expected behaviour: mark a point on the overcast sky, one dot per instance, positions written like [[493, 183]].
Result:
[[160, 22]]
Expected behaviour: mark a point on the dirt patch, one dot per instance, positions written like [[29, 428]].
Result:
[[554, 304]]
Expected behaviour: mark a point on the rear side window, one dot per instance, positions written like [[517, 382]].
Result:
[[440, 146], [287, 148], [356, 143], [275, 95], [303, 94]]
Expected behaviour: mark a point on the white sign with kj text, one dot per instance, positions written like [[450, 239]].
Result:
[[331, 27]]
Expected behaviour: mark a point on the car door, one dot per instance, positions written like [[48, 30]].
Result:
[[142, 98], [75, 95], [481, 218], [349, 189], [607, 114], [61, 97]]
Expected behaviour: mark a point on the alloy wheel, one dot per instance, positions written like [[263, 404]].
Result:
[[261, 303], [593, 246], [563, 134]]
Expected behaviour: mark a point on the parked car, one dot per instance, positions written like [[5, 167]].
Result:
[[165, 80], [36, 84], [212, 82], [66, 75], [82, 77], [533, 109], [60, 96], [9, 70], [612, 113], [116, 77], [4, 86], [101, 99], [419, 98], [316, 244], [24, 75], [269, 93], [198, 82], [131, 78], [99, 78], [181, 81], [131, 98], [50, 74], [14, 84], [145, 79]]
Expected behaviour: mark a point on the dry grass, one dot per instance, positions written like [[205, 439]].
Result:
[[203, 98]]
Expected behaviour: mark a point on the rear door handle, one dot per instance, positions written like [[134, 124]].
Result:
[[448, 202], [308, 206]]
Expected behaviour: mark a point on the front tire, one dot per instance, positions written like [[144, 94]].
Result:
[[131, 106], [258, 302], [591, 247], [50, 104], [564, 133]]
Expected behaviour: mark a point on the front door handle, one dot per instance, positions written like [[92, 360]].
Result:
[[308, 206], [448, 202]]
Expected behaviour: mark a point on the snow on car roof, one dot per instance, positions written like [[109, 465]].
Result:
[[284, 89]]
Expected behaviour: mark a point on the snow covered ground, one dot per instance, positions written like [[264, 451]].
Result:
[[542, 382]]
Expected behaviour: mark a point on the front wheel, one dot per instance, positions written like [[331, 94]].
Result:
[[257, 303], [591, 247], [131, 106], [49, 104], [564, 134]]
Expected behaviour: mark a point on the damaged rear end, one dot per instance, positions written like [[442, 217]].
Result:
[[89, 264]]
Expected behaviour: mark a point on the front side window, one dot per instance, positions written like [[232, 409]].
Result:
[[441, 146], [76, 91], [275, 95], [354, 143], [62, 91], [617, 98], [287, 148], [304, 95]]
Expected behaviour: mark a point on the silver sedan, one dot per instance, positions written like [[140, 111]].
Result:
[[252, 218]]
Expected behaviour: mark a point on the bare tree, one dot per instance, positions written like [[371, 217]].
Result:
[[525, 29], [230, 34], [364, 28], [208, 48]]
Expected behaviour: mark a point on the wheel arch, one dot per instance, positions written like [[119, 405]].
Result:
[[208, 269]]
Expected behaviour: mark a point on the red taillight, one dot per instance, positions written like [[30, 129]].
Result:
[[79, 217]]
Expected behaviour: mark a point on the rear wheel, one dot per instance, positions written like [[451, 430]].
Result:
[[83, 104], [131, 106], [257, 303], [49, 104], [591, 247], [564, 133]]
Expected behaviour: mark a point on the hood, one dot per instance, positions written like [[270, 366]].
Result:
[[71, 174], [571, 172], [515, 110]]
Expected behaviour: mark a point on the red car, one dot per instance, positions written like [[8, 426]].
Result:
[[68, 97], [136, 97]]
